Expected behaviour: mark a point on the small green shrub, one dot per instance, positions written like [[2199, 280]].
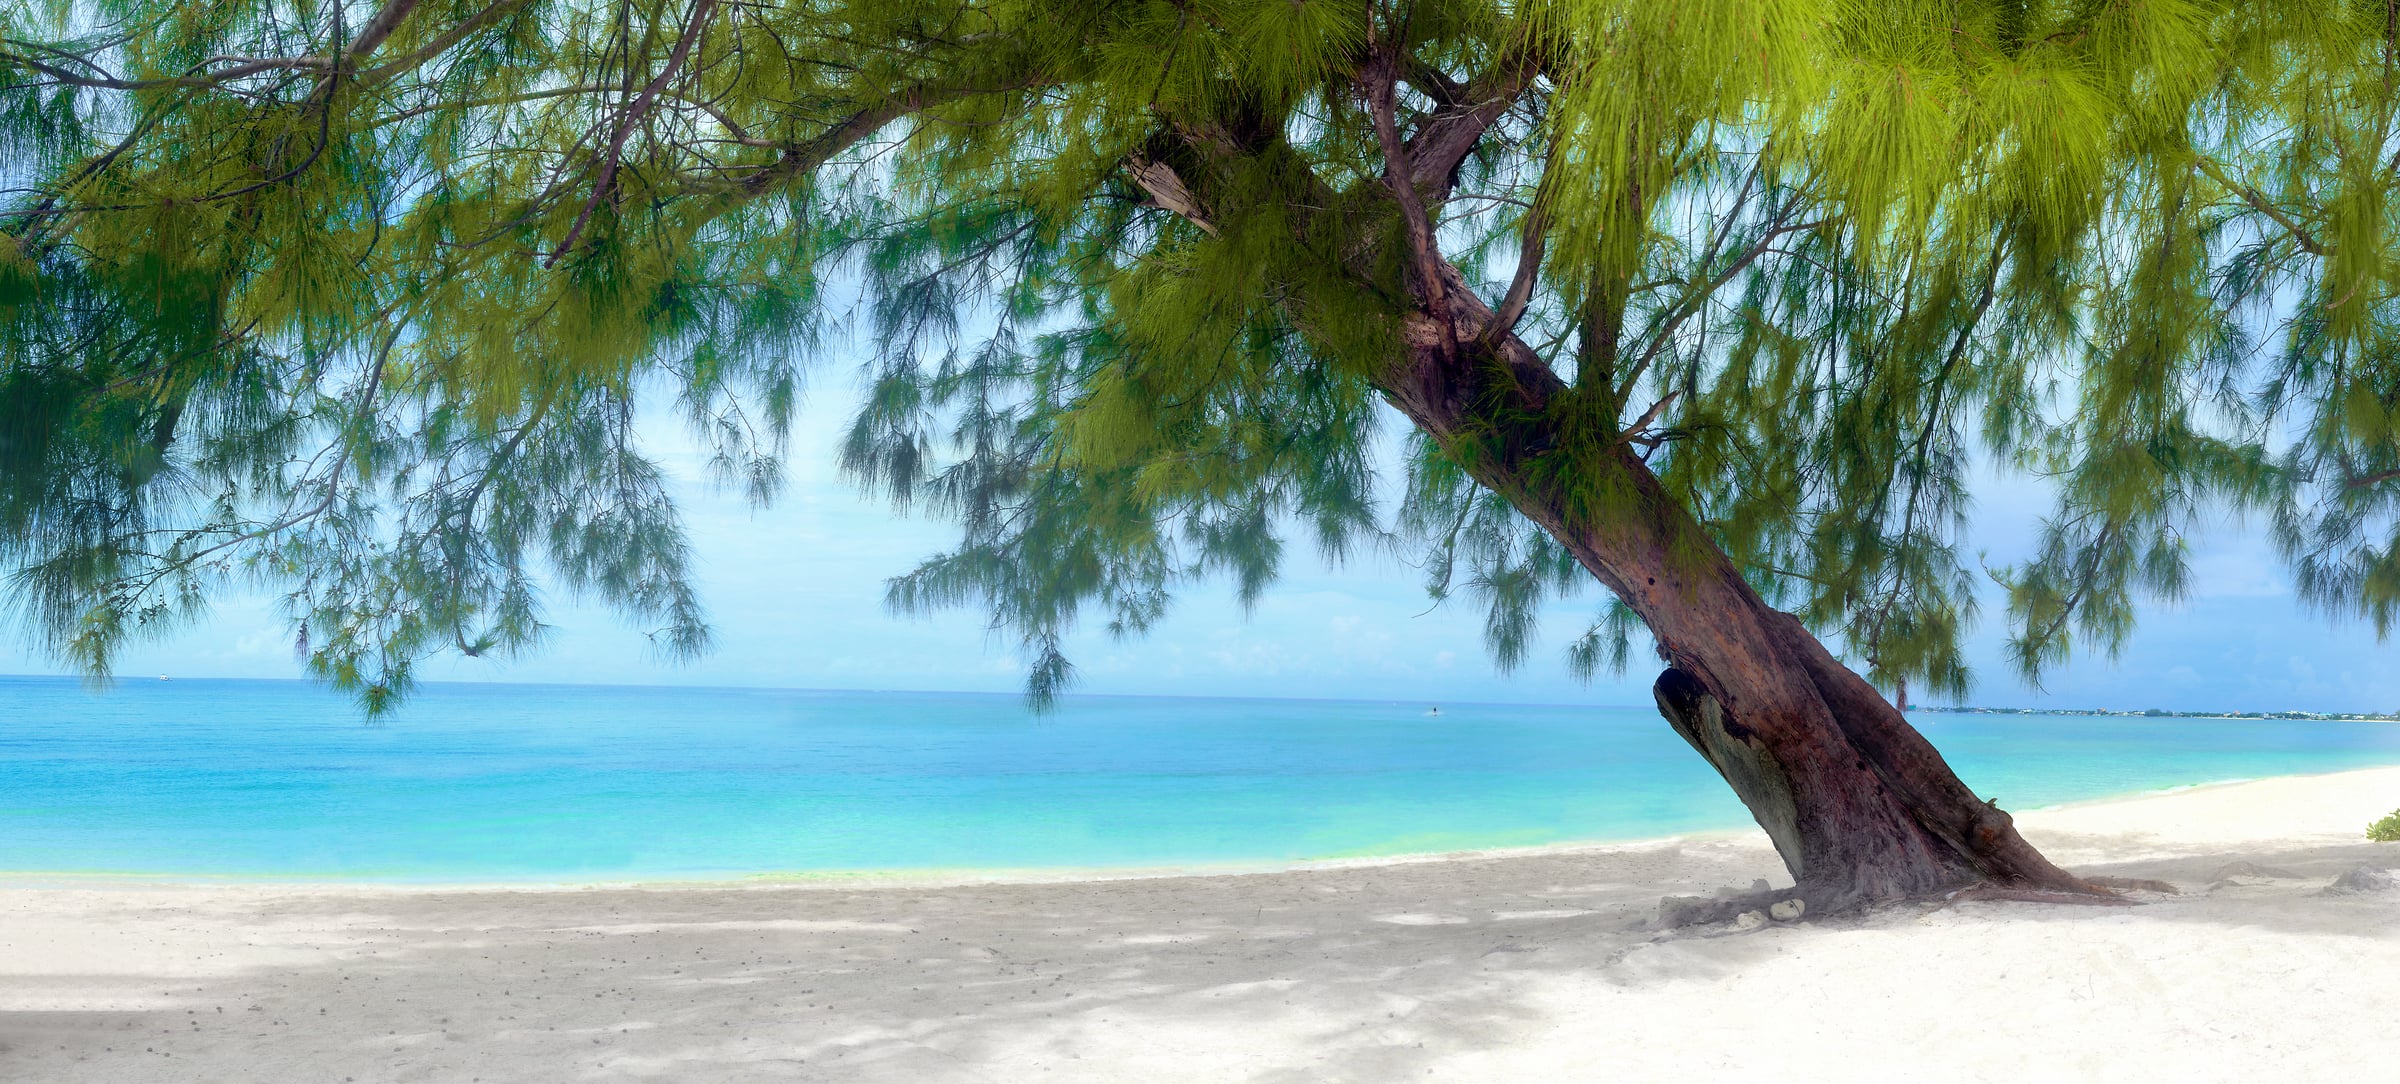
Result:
[[2386, 830]]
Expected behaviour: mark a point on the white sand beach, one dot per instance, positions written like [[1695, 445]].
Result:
[[1529, 966]]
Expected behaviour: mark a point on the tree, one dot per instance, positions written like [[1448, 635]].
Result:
[[1713, 303]]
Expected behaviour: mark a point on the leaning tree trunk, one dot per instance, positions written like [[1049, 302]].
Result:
[[1860, 806]]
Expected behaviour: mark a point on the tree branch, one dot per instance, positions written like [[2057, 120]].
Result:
[[210, 79], [701, 9], [1529, 268], [1444, 140], [381, 26], [1693, 300], [386, 20], [443, 43], [2258, 202], [2376, 478], [1382, 104], [801, 158], [1447, 93], [1168, 192], [1633, 433]]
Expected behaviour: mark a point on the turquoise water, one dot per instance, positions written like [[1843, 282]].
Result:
[[553, 783]]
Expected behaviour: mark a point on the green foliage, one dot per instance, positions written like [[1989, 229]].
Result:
[[2386, 830], [358, 301]]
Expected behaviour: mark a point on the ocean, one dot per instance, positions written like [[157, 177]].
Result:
[[486, 783]]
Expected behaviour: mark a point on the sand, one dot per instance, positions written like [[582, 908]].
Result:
[[1520, 966]]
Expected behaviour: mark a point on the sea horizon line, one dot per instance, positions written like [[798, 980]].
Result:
[[2252, 714]]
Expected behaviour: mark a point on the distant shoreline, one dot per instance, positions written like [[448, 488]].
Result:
[[2161, 713], [454, 684]]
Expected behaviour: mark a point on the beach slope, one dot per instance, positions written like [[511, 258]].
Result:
[[1504, 967]]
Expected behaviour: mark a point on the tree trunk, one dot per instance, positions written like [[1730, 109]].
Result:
[[1860, 806]]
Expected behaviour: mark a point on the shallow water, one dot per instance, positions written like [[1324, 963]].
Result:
[[547, 783]]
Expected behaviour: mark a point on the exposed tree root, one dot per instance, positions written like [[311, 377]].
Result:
[[2134, 884], [1678, 912], [2036, 895]]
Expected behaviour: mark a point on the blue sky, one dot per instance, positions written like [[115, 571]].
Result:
[[796, 596]]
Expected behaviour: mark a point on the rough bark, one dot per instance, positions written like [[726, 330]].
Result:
[[1860, 806], [1736, 752]]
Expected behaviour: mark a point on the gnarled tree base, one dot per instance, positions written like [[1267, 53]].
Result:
[[1885, 821]]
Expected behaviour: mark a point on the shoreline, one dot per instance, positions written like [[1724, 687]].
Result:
[[950, 877], [843, 879], [1455, 968]]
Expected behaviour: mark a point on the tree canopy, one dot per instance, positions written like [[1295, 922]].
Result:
[[356, 303]]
